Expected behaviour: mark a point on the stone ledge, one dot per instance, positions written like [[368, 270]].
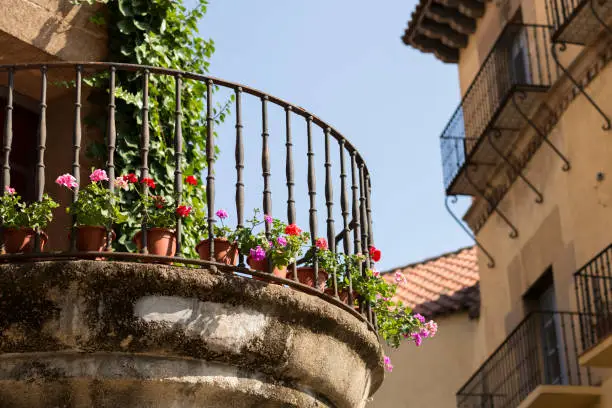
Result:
[[259, 329]]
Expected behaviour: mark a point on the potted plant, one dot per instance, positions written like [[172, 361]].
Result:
[[348, 266], [159, 217], [225, 249], [21, 221], [327, 262], [274, 251], [95, 210]]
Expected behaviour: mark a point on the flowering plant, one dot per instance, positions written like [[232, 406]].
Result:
[[95, 204], [220, 231], [327, 260], [397, 323], [157, 210], [282, 245], [16, 214], [347, 265]]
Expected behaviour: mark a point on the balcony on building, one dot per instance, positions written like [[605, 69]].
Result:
[[485, 135], [578, 21], [104, 328], [593, 284], [535, 367]]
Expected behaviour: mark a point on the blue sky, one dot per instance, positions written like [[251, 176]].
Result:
[[344, 61]]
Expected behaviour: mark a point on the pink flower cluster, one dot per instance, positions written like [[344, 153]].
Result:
[[429, 329], [388, 365], [257, 254], [98, 175], [399, 277], [10, 190], [221, 213], [67, 180]]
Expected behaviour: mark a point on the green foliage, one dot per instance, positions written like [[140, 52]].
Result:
[[96, 206], [395, 322], [161, 33], [326, 259], [16, 214]]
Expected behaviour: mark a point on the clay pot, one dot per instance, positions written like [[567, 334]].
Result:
[[22, 240], [160, 241], [306, 276], [343, 294], [225, 252], [92, 238], [263, 266]]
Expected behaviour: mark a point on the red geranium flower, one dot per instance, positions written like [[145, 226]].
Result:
[[183, 210], [321, 243], [148, 181], [375, 254], [131, 178], [292, 229], [191, 180]]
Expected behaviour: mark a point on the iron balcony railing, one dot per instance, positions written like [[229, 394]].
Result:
[[578, 21], [519, 60], [593, 284], [541, 350], [260, 121]]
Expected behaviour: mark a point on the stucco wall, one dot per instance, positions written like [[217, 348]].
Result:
[[430, 376], [43, 30]]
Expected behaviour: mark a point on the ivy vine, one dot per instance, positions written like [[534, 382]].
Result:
[[161, 33]]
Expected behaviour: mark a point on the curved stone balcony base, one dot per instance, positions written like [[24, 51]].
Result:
[[110, 380], [119, 334]]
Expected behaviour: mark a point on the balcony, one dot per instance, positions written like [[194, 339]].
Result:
[[108, 328], [593, 284], [536, 366], [578, 21], [484, 135]]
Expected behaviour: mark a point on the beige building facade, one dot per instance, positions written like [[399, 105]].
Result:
[[530, 143]]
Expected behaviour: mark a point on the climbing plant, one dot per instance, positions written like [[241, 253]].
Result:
[[161, 33]]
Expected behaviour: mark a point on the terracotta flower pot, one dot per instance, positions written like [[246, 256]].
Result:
[[342, 294], [22, 240], [263, 266], [92, 238], [306, 276], [160, 241], [225, 252]]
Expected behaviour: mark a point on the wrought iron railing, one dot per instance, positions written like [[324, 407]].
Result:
[[347, 172], [577, 21], [519, 60], [543, 349], [593, 285]]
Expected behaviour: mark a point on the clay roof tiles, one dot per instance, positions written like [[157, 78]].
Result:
[[441, 285]]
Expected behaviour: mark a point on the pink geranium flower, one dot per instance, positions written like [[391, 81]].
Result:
[[10, 190], [67, 180], [388, 365], [121, 182], [98, 175], [432, 328], [257, 254], [221, 213]]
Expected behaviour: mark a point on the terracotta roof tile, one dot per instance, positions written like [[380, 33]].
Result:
[[441, 285]]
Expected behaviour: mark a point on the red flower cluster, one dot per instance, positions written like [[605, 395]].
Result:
[[321, 243], [131, 178], [183, 210], [191, 180], [292, 229], [148, 181], [375, 254]]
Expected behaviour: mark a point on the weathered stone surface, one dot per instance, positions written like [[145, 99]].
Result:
[[87, 333]]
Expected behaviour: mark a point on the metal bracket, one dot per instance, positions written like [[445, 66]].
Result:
[[598, 17], [563, 46], [491, 263], [540, 198], [514, 233], [523, 96]]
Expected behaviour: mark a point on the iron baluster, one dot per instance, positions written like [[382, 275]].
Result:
[[76, 152], [540, 198], [312, 193], [42, 143], [356, 218], [344, 205], [7, 145], [210, 177], [365, 239], [329, 202], [289, 176], [178, 158], [562, 47], [144, 156], [111, 140], [239, 168]]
